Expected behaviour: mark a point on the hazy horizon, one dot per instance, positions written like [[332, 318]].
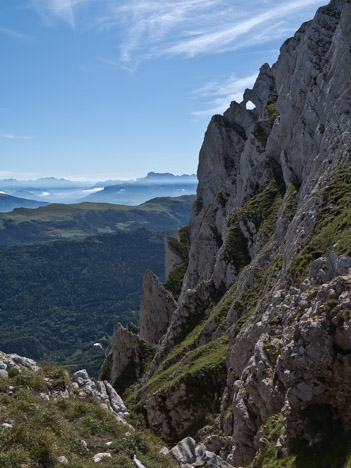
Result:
[[85, 179]]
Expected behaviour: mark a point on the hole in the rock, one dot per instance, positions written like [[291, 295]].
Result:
[[250, 105]]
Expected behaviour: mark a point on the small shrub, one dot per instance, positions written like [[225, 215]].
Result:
[[13, 372], [58, 375], [236, 248], [175, 279], [330, 304], [221, 199], [271, 106]]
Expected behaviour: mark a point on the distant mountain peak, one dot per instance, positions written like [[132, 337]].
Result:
[[166, 175]]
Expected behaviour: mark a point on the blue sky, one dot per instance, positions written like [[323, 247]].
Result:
[[116, 88]]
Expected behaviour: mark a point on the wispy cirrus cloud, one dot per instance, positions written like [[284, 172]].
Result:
[[12, 33], [152, 28], [115, 64], [64, 10], [216, 95], [12, 136]]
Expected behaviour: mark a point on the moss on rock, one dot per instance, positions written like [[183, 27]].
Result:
[[332, 229]]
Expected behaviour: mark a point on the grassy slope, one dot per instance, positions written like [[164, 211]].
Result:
[[58, 298], [44, 430], [57, 221]]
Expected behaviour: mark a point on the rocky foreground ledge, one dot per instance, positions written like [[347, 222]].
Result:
[[30, 396]]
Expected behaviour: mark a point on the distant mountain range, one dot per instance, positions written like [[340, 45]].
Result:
[[129, 192], [44, 182], [9, 203], [137, 191], [152, 178]]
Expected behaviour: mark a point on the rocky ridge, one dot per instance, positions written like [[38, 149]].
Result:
[[257, 352]]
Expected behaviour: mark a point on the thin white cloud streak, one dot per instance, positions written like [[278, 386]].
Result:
[[191, 27], [218, 94], [11, 136], [58, 9], [154, 28], [224, 39], [12, 33], [93, 190], [114, 64]]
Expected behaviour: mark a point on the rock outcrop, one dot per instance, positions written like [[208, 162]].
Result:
[[172, 256], [101, 391], [191, 455], [261, 334], [127, 357], [156, 310], [14, 362]]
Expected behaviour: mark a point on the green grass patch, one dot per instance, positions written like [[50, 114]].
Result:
[[203, 368], [271, 106], [268, 456], [333, 226], [175, 279], [181, 247], [43, 430], [291, 202], [236, 248], [261, 210]]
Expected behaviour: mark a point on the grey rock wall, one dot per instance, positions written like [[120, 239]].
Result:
[[156, 311], [289, 348]]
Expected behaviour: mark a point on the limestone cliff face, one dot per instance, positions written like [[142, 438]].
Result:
[[156, 311], [262, 326], [172, 257]]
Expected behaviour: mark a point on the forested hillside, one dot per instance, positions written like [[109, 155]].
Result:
[[58, 298], [59, 222]]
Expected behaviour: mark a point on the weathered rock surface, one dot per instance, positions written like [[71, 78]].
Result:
[[192, 455], [101, 391], [137, 463], [126, 353], [157, 309], [269, 267], [172, 257], [13, 361], [100, 456]]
